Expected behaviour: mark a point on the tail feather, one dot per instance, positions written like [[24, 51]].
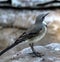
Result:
[[19, 40]]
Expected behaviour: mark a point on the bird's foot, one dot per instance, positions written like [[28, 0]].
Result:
[[36, 54]]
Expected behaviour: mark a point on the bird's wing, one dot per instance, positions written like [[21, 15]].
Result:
[[25, 34]]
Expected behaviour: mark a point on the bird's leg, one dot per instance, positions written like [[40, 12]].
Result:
[[34, 53], [32, 48]]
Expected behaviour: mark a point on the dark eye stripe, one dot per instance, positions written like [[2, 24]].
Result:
[[41, 29]]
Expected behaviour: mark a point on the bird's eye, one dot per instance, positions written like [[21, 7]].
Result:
[[40, 28]]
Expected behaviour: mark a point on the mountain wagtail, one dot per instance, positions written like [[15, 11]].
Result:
[[33, 34]]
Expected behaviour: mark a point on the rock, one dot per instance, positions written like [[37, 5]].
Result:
[[19, 3], [6, 19], [55, 48], [24, 56]]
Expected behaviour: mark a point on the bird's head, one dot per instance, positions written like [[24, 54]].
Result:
[[40, 18]]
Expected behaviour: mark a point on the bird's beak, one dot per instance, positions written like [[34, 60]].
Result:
[[45, 14], [44, 23]]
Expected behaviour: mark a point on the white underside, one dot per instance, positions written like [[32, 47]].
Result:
[[39, 37]]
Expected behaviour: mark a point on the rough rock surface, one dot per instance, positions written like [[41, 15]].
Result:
[[24, 55]]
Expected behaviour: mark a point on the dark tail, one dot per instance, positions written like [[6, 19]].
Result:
[[19, 40], [9, 47]]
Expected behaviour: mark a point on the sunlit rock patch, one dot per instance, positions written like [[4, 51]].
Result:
[[53, 24]]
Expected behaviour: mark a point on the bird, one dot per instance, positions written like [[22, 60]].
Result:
[[33, 34]]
